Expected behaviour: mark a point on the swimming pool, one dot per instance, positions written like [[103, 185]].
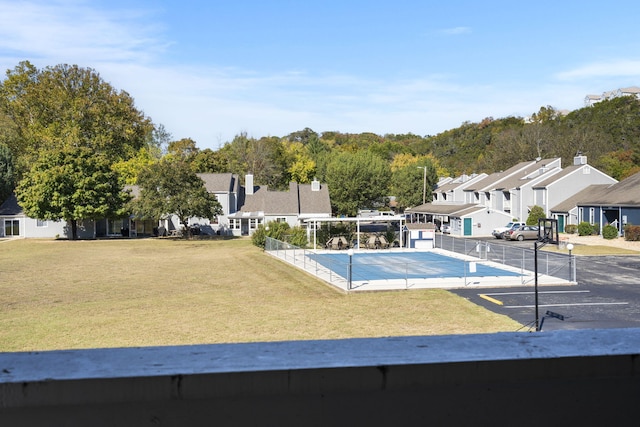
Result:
[[368, 266]]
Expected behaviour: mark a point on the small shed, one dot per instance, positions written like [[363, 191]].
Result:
[[420, 235]]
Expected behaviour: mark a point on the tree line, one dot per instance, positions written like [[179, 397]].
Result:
[[65, 120]]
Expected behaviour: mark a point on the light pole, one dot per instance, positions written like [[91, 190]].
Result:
[[570, 247], [350, 253], [424, 184]]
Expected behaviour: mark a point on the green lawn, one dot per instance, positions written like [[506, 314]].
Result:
[[124, 293]]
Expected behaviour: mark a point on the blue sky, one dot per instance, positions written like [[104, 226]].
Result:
[[210, 69]]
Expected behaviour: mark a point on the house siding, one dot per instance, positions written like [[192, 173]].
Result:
[[558, 191]]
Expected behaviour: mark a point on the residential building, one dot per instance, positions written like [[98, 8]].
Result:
[[589, 100], [451, 190], [618, 204], [570, 181], [566, 212], [493, 191], [259, 205], [244, 209], [485, 202]]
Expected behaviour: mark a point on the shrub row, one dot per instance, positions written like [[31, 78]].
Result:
[[571, 228]]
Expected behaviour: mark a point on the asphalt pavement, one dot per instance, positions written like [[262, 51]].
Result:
[[607, 295]]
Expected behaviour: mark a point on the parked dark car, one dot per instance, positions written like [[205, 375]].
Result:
[[525, 232]]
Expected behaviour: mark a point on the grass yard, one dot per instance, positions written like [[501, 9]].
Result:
[[148, 292]]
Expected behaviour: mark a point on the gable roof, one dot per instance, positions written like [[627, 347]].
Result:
[[312, 202], [496, 177], [220, 182], [460, 182], [11, 206], [568, 171], [564, 172], [623, 193], [300, 199], [526, 176]]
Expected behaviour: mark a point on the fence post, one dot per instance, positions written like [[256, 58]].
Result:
[[547, 261], [406, 275]]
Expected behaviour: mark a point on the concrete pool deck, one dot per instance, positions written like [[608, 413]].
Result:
[[518, 278]]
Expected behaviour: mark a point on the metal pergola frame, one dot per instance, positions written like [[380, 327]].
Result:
[[358, 220]]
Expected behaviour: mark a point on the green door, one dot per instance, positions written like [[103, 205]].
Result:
[[467, 226], [560, 223]]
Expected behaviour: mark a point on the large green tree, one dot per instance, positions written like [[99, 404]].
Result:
[[66, 106], [7, 174], [411, 182], [71, 184], [356, 180], [265, 158], [172, 187]]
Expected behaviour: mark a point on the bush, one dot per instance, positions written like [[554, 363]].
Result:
[[609, 232], [298, 237], [585, 229], [273, 229], [596, 229], [535, 214], [632, 233], [390, 234], [570, 228]]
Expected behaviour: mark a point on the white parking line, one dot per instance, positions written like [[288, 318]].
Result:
[[489, 296], [566, 305], [532, 292]]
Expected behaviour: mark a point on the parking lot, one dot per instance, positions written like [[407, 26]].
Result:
[[607, 295]]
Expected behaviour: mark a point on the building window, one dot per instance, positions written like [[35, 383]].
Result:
[[281, 219], [592, 215], [11, 227], [41, 223]]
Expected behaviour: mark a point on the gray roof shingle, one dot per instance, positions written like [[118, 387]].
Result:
[[219, 182], [300, 199], [11, 206], [623, 193]]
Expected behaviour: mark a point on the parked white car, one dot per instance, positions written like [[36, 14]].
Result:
[[498, 233]]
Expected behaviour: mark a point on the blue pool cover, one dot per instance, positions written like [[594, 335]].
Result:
[[410, 265]]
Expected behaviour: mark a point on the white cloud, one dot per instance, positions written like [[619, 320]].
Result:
[[212, 104], [67, 30], [624, 68]]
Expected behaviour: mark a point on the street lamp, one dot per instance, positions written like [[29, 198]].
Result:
[[424, 184], [350, 253], [570, 247]]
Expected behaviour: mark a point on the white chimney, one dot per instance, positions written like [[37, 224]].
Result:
[[579, 159], [315, 185], [248, 184]]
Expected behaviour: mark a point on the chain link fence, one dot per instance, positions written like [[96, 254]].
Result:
[[553, 264], [339, 272]]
